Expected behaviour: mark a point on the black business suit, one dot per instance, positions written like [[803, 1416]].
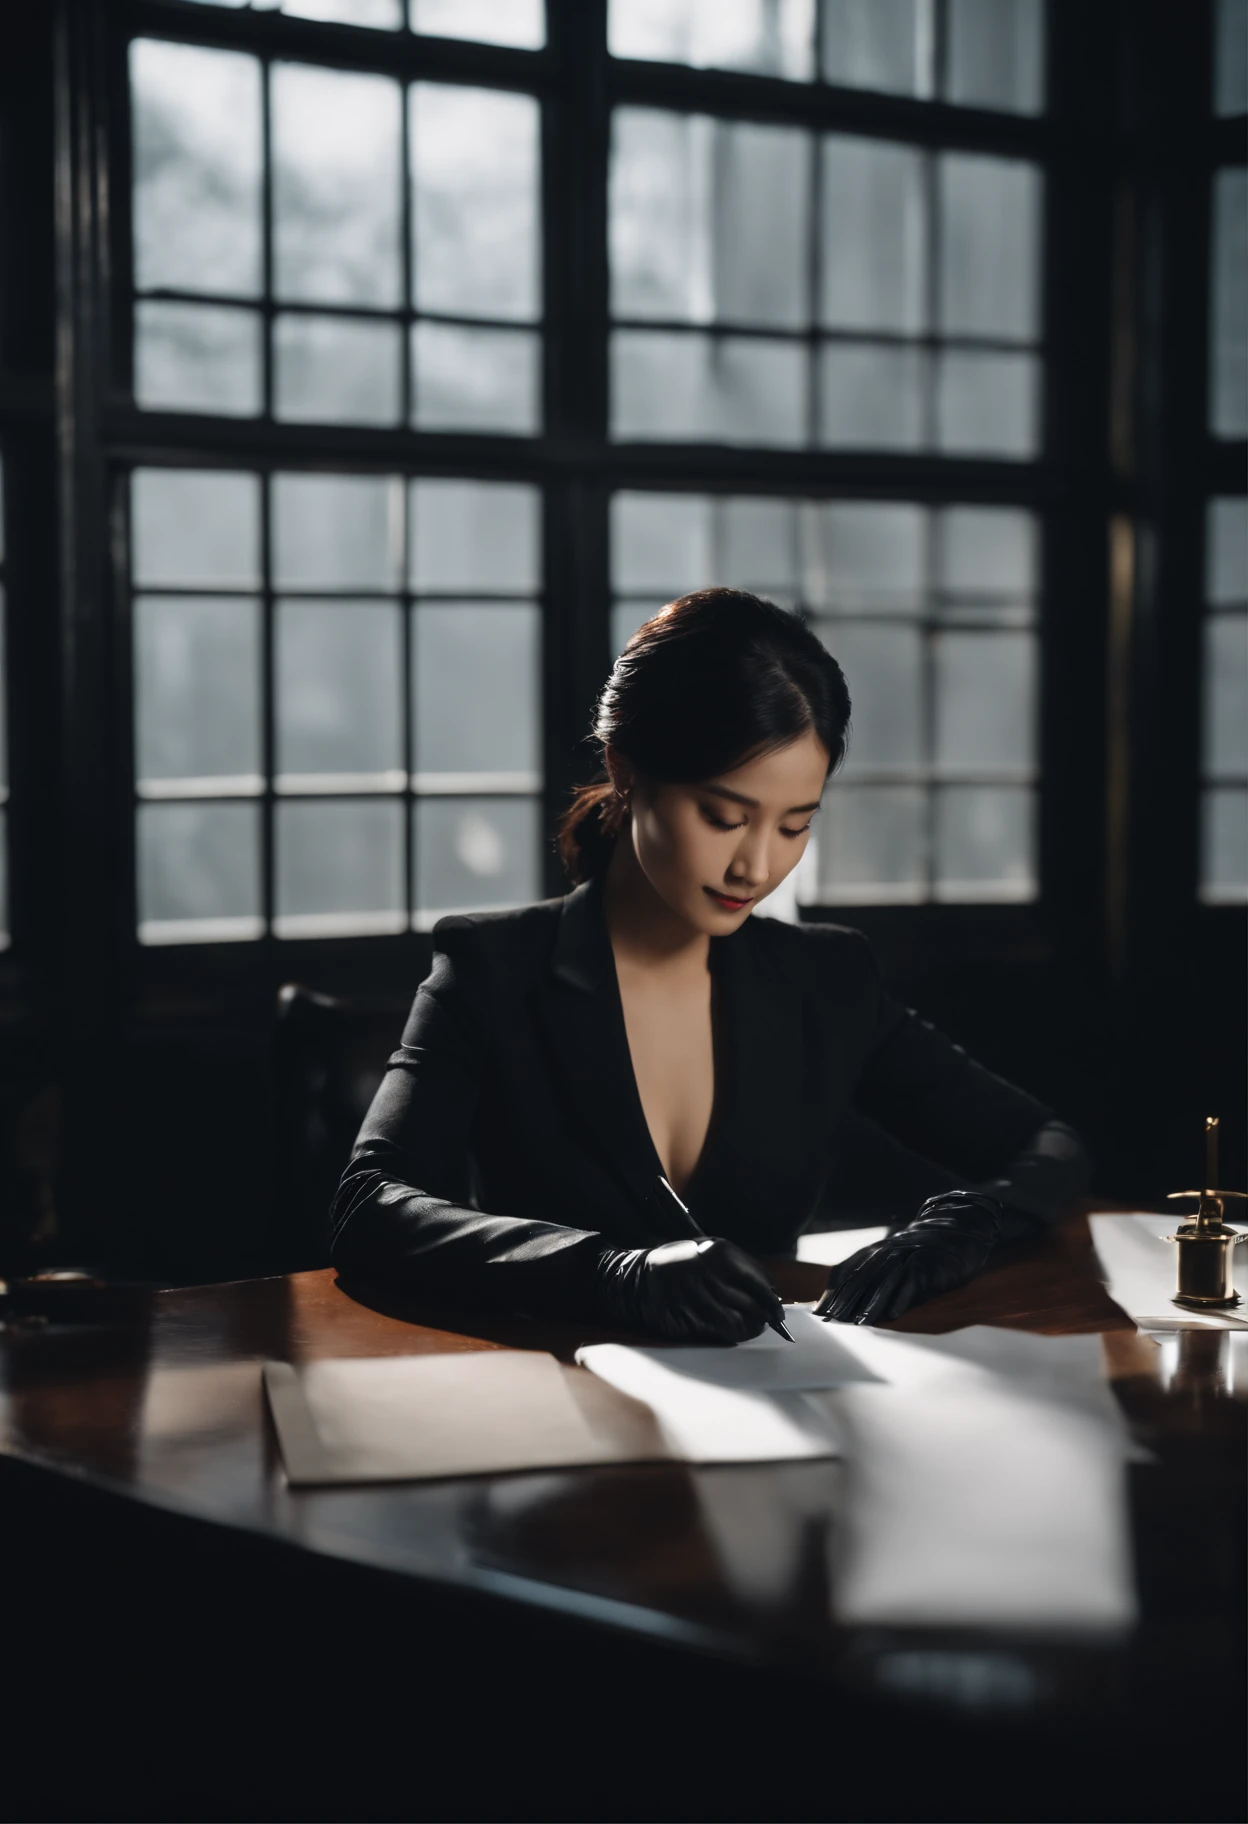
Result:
[[507, 1147]]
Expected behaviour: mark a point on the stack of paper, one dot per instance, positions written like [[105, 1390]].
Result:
[[1138, 1265]]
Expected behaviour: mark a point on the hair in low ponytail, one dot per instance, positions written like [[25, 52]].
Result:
[[715, 678]]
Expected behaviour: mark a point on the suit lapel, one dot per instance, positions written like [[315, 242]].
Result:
[[766, 1117]]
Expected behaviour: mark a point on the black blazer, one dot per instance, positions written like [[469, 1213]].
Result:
[[507, 1147]]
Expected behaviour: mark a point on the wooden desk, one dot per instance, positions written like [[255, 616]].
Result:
[[469, 1648]]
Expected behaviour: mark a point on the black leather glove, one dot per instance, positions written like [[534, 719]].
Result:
[[946, 1244], [695, 1291]]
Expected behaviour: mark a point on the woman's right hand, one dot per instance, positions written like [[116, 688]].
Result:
[[695, 1291]]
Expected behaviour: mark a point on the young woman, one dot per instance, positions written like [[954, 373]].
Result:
[[563, 1060]]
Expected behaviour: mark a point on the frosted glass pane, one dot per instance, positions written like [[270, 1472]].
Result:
[[476, 379], [339, 868], [476, 690], [339, 688], [197, 688], [865, 556], [1228, 355], [873, 238], [194, 528], [989, 246], [1225, 721], [986, 551], [336, 370], [708, 219], [757, 547], [1226, 560], [475, 223], [730, 389], [199, 873], [984, 844], [337, 531], [475, 537], [1224, 847], [984, 686], [883, 668], [879, 44], [386, 15], [337, 170], [870, 397], [521, 23], [1230, 57], [995, 56], [197, 358], [871, 845], [986, 404], [197, 154], [769, 37], [660, 543], [475, 852]]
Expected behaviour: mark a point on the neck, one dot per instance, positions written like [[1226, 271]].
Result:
[[642, 926]]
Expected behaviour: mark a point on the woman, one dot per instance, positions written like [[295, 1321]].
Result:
[[563, 1060]]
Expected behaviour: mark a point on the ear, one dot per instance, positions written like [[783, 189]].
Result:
[[620, 770]]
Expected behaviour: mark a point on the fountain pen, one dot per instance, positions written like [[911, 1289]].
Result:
[[773, 1323]]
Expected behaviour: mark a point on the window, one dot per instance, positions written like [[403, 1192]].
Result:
[[930, 612], [342, 740]]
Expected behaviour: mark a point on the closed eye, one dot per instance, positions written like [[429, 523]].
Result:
[[800, 832], [717, 823]]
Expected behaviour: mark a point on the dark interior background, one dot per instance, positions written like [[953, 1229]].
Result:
[[137, 1086]]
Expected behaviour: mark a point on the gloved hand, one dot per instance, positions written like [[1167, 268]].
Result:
[[695, 1291], [946, 1244]]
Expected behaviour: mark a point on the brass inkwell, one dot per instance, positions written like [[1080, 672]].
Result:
[[1205, 1243]]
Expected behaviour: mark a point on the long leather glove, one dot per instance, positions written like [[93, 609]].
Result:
[[947, 1244], [694, 1291]]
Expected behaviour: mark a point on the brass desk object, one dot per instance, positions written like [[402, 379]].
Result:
[[1204, 1260]]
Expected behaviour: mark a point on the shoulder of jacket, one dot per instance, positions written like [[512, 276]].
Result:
[[812, 946], [506, 939]]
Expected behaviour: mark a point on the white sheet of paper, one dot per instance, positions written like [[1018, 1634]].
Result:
[[1138, 1266], [828, 1247], [988, 1509], [815, 1358]]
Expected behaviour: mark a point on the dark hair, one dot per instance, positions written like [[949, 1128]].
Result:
[[715, 678]]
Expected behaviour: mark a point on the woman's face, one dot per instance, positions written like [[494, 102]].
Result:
[[712, 851]]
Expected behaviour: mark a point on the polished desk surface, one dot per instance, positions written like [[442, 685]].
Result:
[[165, 1407]]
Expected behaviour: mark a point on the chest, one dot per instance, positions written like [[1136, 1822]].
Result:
[[671, 1042]]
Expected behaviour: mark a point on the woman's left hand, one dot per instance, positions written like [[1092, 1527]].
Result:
[[946, 1244]]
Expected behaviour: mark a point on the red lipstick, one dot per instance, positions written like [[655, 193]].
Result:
[[726, 902]]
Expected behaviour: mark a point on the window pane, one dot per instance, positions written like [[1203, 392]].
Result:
[[670, 386], [708, 219], [384, 14], [199, 873], [197, 150], [336, 370], [871, 845], [474, 852], [475, 537], [989, 240], [1224, 847], [475, 202], [984, 702], [879, 44], [770, 37], [660, 543], [983, 844], [1226, 579], [986, 562], [873, 236], [476, 692], [996, 54], [870, 397], [339, 868], [1228, 355], [1225, 727], [197, 691], [336, 176], [883, 668], [339, 669], [521, 23], [1230, 57], [986, 404], [865, 557], [194, 529], [197, 358], [475, 379], [757, 547], [337, 531]]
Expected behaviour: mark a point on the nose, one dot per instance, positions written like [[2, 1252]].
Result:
[[749, 867]]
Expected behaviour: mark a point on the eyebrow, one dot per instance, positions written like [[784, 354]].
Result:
[[722, 791]]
